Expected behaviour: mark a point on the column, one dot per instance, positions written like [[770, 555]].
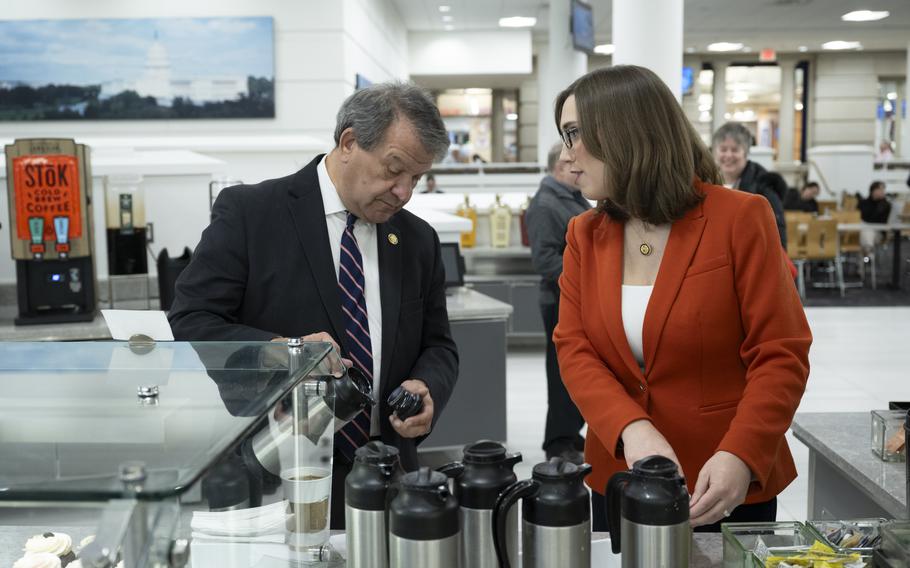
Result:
[[720, 95], [558, 65], [497, 119], [905, 120], [650, 34], [787, 116]]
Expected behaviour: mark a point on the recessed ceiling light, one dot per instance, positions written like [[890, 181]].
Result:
[[839, 45], [690, 50], [449, 27], [865, 15], [605, 49], [803, 48], [444, 8], [447, 18], [512, 116], [725, 46], [517, 22]]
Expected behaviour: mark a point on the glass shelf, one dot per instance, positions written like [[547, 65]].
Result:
[[71, 414]]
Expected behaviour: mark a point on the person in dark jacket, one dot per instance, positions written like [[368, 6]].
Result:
[[803, 200], [556, 201], [730, 146], [873, 209]]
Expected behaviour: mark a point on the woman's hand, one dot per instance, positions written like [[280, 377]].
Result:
[[721, 487], [641, 439]]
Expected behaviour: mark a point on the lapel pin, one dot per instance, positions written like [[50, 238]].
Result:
[[393, 238]]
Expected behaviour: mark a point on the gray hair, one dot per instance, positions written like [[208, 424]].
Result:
[[553, 156], [370, 112], [735, 131]]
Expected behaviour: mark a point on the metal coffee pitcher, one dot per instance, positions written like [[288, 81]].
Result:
[[648, 514], [556, 517]]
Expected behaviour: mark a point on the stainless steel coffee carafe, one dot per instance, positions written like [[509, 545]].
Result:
[[423, 522], [556, 517], [648, 514], [366, 491], [486, 470]]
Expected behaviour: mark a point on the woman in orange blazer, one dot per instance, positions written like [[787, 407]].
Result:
[[680, 331]]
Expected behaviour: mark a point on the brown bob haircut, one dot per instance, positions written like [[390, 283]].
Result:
[[629, 120]]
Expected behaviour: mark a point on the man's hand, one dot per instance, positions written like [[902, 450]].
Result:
[[419, 424], [641, 439], [324, 337], [721, 487]]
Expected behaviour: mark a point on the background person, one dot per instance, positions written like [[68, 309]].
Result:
[[557, 200], [329, 254], [804, 200], [680, 331], [730, 145], [873, 209]]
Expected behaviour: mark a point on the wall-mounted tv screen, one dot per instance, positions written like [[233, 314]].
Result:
[[582, 26]]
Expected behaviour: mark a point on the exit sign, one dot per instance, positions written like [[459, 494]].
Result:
[[767, 55]]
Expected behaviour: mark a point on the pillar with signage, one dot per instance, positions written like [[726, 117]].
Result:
[[49, 188]]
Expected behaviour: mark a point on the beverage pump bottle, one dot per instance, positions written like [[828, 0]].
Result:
[[466, 210], [500, 221]]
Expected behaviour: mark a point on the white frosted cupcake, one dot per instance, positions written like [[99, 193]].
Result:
[[59, 544], [39, 560]]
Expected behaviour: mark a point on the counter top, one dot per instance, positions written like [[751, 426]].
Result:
[[463, 304], [466, 304], [707, 548], [843, 438], [148, 163]]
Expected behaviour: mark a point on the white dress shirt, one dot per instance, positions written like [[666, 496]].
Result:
[[336, 221], [634, 305]]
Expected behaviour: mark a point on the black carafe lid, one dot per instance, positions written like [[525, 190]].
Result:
[[376, 453], [353, 392], [487, 471], [562, 500], [374, 469], [423, 509], [656, 495]]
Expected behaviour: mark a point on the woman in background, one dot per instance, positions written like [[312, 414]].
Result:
[[680, 331]]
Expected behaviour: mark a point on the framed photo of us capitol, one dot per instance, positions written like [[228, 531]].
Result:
[[150, 68]]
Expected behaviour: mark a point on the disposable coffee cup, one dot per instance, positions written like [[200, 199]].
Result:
[[308, 491]]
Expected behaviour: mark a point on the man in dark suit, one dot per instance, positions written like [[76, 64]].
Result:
[[555, 203], [329, 254]]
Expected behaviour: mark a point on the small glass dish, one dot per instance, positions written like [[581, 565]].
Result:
[[741, 539], [896, 543], [886, 424], [854, 535]]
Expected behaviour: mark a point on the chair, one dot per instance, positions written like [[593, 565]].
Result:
[[822, 245], [826, 206], [849, 202], [850, 244], [798, 216], [796, 250]]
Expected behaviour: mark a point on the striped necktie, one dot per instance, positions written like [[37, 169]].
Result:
[[356, 338]]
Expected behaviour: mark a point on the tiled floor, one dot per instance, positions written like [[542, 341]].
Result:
[[859, 361]]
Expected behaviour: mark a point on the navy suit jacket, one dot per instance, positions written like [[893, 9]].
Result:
[[264, 269]]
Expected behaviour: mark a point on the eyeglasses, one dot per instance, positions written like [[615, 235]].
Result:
[[570, 136]]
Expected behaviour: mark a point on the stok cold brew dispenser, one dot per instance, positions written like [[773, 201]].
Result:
[[49, 185]]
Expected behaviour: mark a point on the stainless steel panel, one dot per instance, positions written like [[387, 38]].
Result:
[[441, 553], [477, 537], [367, 538], [655, 547], [548, 547]]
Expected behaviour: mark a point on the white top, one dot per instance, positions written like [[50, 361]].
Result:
[[365, 233], [634, 304]]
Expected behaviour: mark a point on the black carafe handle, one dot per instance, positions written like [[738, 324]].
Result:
[[506, 500], [451, 470], [614, 507]]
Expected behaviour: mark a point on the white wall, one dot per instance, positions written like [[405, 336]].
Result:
[[470, 53], [319, 45]]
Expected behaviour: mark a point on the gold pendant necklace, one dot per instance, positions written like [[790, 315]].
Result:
[[645, 247]]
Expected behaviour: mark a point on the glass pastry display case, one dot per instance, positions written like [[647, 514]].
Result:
[[116, 452]]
